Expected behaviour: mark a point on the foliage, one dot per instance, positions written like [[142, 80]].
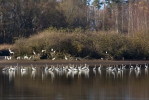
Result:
[[88, 46]]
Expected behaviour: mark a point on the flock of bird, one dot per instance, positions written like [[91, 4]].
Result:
[[69, 70], [119, 71], [26, 57], [72, 70]]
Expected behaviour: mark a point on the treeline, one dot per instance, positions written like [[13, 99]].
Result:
[[23, 18]]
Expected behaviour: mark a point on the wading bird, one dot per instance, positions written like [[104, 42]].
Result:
[[11, 53]]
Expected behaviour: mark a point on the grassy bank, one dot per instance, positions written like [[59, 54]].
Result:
[[89, 45]]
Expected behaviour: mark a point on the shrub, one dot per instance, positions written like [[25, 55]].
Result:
[[85, 45]]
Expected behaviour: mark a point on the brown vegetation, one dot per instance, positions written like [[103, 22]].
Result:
[[95, 45]]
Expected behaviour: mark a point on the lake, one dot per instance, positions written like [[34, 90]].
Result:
[[62, 84]]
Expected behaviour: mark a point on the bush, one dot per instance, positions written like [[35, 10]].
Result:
[[85, 45]]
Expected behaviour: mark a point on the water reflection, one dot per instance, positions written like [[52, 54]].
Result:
[[11, 75], [77, 83], [33, 74]]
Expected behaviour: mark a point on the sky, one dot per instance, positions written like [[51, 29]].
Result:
[[91, 1]]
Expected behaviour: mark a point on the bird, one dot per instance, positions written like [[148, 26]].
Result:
[[8, 57], [52, 49], [23, 69], [34, 52], [146, 69], [33, 68], [146, 66], [43, 51], [12, 53], [18, 58], [99, 68], [131, 67], [123, 67], [25, 57], [94, 68], [5, 68], [66, 58], [53, 58]]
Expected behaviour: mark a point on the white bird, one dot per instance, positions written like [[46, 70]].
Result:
[[25, 57], [29, 58], [18, 58], [94, 71], [43, 51], [146, 66], [52, 49], [11, 52], [33, 68], [99, 68], [138, 68], [94, 68], [131, 67], [119, 68], [5, 68], [53, 58], [66, 58], [23, 69], [5, 57], [34, 52], [146, 69], [8, 57], [123, 67]]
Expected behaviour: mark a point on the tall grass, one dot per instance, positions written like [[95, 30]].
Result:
[[86, 45]]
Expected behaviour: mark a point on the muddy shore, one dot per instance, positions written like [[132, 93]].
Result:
[[64, 62]]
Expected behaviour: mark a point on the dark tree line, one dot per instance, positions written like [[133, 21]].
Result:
[[22, 18]]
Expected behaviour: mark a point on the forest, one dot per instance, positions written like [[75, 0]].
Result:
[[23, 18], [103, 23]]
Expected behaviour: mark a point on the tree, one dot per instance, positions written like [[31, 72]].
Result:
[[75, 12]]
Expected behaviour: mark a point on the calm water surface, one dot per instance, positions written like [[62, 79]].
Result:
[[65, 85]]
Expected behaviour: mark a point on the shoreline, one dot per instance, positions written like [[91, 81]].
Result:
[[64, 62]]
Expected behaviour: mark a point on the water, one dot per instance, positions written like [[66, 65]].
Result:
[[92, 85]]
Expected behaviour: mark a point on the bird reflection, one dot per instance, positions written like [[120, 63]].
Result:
[[44, 74], [118, 73], [130, 71], [5, 72], [74, 73], [52, 75], [138, 73], [33, 74], [23, 71], [11, 75], [68, 73], [122, 73], [99, 71], [86, 74], [146, 71], [113, 73], [94, 71]]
